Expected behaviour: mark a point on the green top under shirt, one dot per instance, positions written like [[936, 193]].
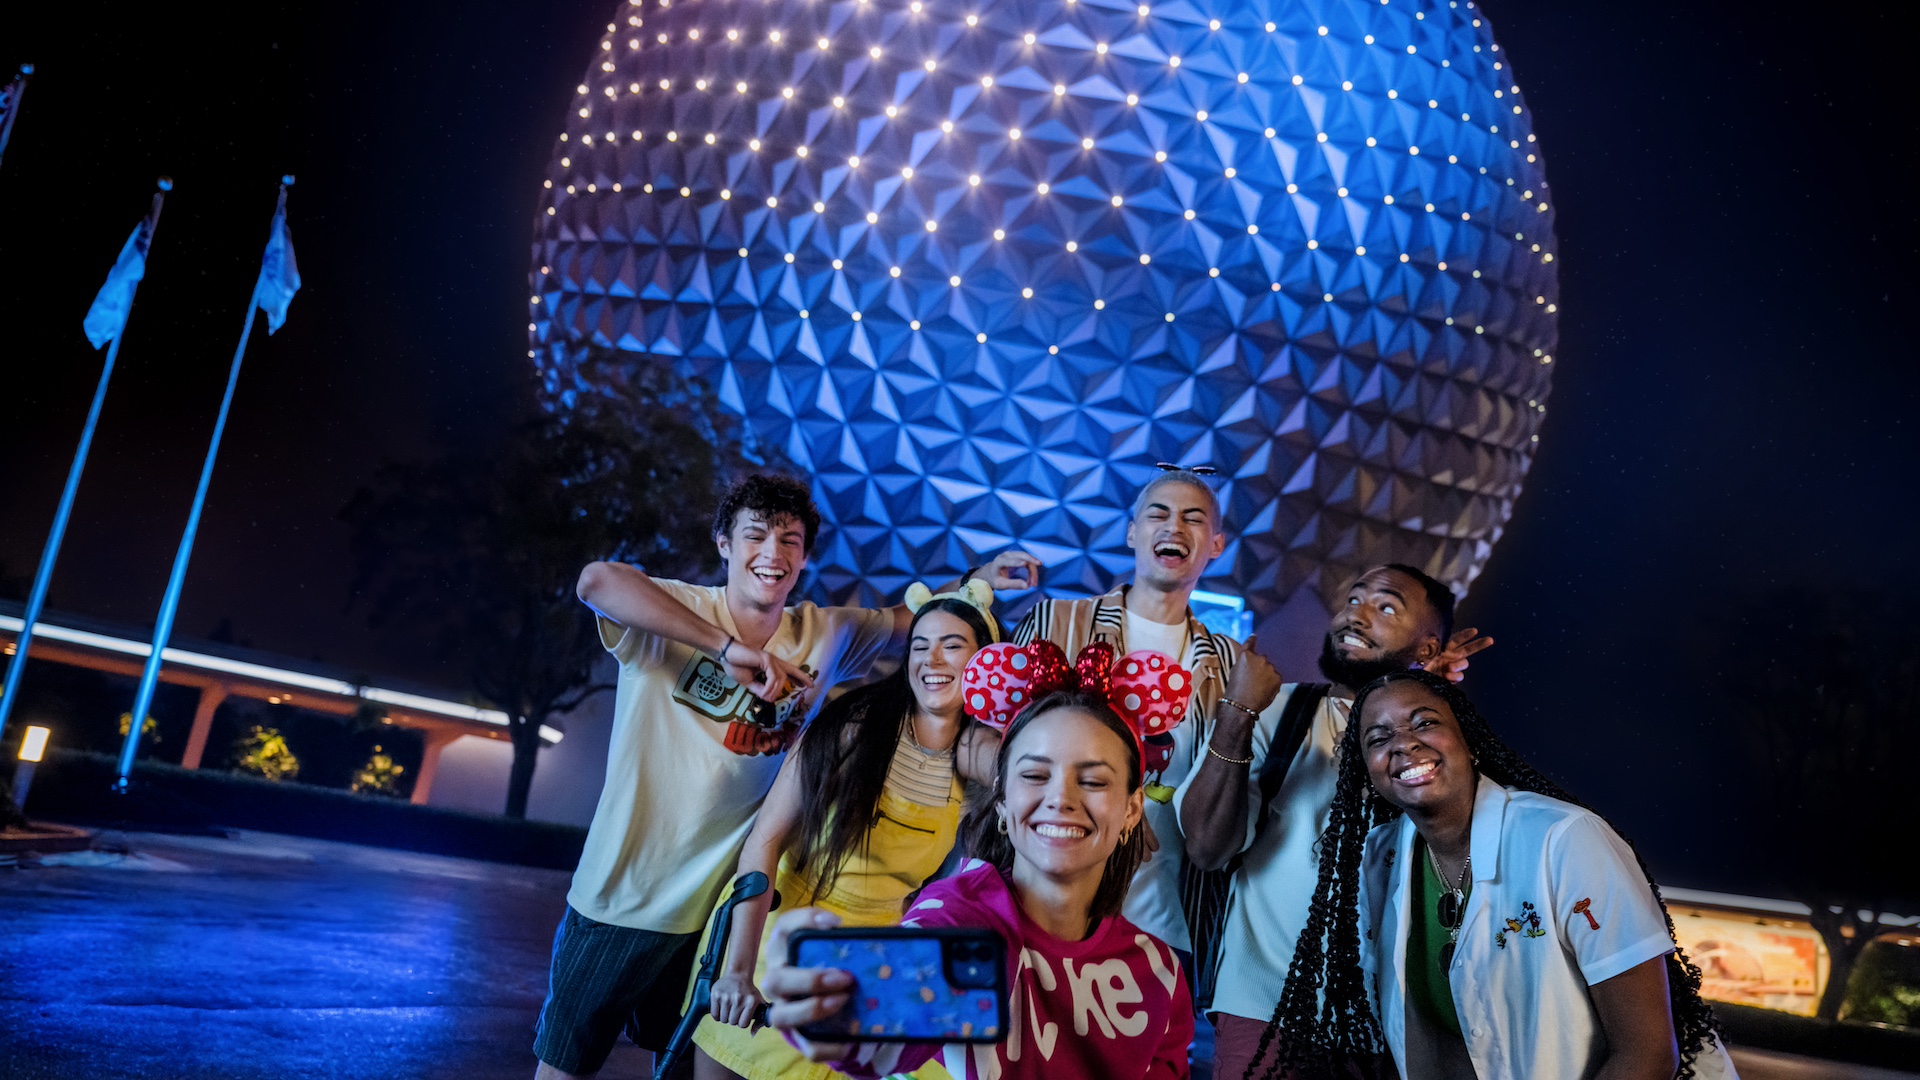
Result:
[[1427, 985]]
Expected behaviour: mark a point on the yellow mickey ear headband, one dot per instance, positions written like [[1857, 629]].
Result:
[[974, 592]]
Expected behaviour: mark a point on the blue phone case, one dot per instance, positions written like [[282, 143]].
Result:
[[939, 984]]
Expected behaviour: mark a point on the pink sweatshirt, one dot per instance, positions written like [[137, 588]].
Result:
[[1112, 1007]]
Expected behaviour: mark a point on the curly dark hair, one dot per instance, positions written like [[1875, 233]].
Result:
[[771, 496], [981, 829], [846, 754], [1325, 1015]]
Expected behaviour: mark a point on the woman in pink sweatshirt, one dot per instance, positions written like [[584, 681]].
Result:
[[1092, 997]]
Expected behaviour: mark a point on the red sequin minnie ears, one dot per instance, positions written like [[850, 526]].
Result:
[[1149, 690]]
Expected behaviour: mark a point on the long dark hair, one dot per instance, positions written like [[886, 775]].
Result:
[[987, 843], [846, 753], [1325, 1015]]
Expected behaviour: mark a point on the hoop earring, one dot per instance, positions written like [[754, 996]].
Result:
[[1003, 826]]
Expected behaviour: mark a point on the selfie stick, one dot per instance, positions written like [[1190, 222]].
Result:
[[745, 887]]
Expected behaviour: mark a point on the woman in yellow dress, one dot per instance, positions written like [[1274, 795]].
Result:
[[862, 813]]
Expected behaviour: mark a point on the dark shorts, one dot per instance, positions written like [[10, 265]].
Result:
[[606, 978]]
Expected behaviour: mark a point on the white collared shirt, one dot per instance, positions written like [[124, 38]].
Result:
[[1558, 903]]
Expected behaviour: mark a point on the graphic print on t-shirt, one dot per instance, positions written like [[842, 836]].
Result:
[[705, 687]]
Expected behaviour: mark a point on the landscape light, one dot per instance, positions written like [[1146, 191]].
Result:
[[33, 745]]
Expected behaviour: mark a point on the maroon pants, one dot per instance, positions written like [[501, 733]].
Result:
[[1236, 1038]]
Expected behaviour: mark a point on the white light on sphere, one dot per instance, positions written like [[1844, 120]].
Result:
[[945, 424]]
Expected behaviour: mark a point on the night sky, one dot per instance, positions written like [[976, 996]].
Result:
[[1733, 408]]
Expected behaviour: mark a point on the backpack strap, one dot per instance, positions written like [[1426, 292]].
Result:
[[1206, 894], [1296, 719]]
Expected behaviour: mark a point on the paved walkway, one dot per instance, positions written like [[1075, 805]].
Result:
[[275, 956]]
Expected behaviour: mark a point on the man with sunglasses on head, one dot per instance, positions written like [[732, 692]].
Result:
[[1258, 800], [1175, 531]]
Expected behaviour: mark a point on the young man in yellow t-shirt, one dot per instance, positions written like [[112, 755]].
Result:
[[715, 682]]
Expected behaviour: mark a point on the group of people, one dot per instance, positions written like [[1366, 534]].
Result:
[[1350, 878]]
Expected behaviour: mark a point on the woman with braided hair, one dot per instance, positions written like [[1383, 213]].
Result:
[[1476, 921]]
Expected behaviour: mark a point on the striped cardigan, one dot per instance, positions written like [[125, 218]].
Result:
[[1072, 624]]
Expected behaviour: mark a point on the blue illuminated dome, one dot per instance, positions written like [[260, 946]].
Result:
[[977, 265]]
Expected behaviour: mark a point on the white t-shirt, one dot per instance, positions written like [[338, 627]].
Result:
[[1168, 639], [686, 767], [1153, 901], [1274, 886], [1558, 904]]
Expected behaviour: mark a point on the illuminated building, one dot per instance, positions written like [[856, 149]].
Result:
[[977, 266]]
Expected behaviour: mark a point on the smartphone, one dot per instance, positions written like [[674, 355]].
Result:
[[910, 984]]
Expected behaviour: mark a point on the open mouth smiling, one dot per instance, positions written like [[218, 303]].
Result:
[[1417, 773], [1352, 640], [1052, 831]]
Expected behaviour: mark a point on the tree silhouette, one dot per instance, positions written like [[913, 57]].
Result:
[[1829, 688], [482, 556]]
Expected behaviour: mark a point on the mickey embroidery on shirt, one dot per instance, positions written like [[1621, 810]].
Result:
[[1528, 924]]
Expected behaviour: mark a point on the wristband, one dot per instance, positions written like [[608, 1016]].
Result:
[[722, 654]]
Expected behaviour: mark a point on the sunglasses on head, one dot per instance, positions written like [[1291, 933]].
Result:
[[1197, 470]]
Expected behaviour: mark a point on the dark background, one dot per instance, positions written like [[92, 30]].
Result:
[[1732, 409]]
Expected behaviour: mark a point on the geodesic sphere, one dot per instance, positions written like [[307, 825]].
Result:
[[977, 265]]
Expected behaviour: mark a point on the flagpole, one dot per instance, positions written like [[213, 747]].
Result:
[[6, 132], [51, 553], [170, 603]]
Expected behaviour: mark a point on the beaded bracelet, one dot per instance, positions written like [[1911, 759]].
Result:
[[1229, 760], [1255, 713]]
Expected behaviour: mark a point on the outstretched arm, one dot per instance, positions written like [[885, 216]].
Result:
[[734, 996], [1010, 571], [1452, 660], [803, 995], [626, 595]]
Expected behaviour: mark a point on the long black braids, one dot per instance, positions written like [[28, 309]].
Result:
[[1325, 1017]]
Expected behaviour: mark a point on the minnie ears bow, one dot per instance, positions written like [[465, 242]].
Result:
[[1148, 689], [975, 592]]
